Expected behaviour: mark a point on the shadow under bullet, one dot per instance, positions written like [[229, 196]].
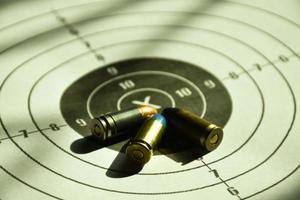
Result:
[[91, 143], [122, 167], [179, 149]]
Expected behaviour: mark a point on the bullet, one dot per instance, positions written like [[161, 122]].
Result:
[[119, 123], [192, 127], [140, 148]]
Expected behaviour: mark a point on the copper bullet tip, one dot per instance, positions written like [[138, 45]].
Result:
[[147, 111]]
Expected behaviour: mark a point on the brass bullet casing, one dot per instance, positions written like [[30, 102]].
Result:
[[140, 148], [194, 128], [119, 123]]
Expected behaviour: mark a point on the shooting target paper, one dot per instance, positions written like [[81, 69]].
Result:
[[235, 63]]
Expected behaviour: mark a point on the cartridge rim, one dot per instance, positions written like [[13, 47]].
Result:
[[98, 128], [139, 152], [214, 137]]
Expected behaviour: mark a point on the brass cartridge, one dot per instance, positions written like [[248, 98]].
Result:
[[192, 127], [140, 148], [115, 124]]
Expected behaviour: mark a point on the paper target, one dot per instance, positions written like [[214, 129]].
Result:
[[233, 63]]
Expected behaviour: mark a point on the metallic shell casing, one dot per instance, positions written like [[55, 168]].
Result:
[[140, 148], [192, 127], [119, 123]]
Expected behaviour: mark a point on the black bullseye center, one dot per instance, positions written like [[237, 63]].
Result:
[[146, 81], [149, 97]]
